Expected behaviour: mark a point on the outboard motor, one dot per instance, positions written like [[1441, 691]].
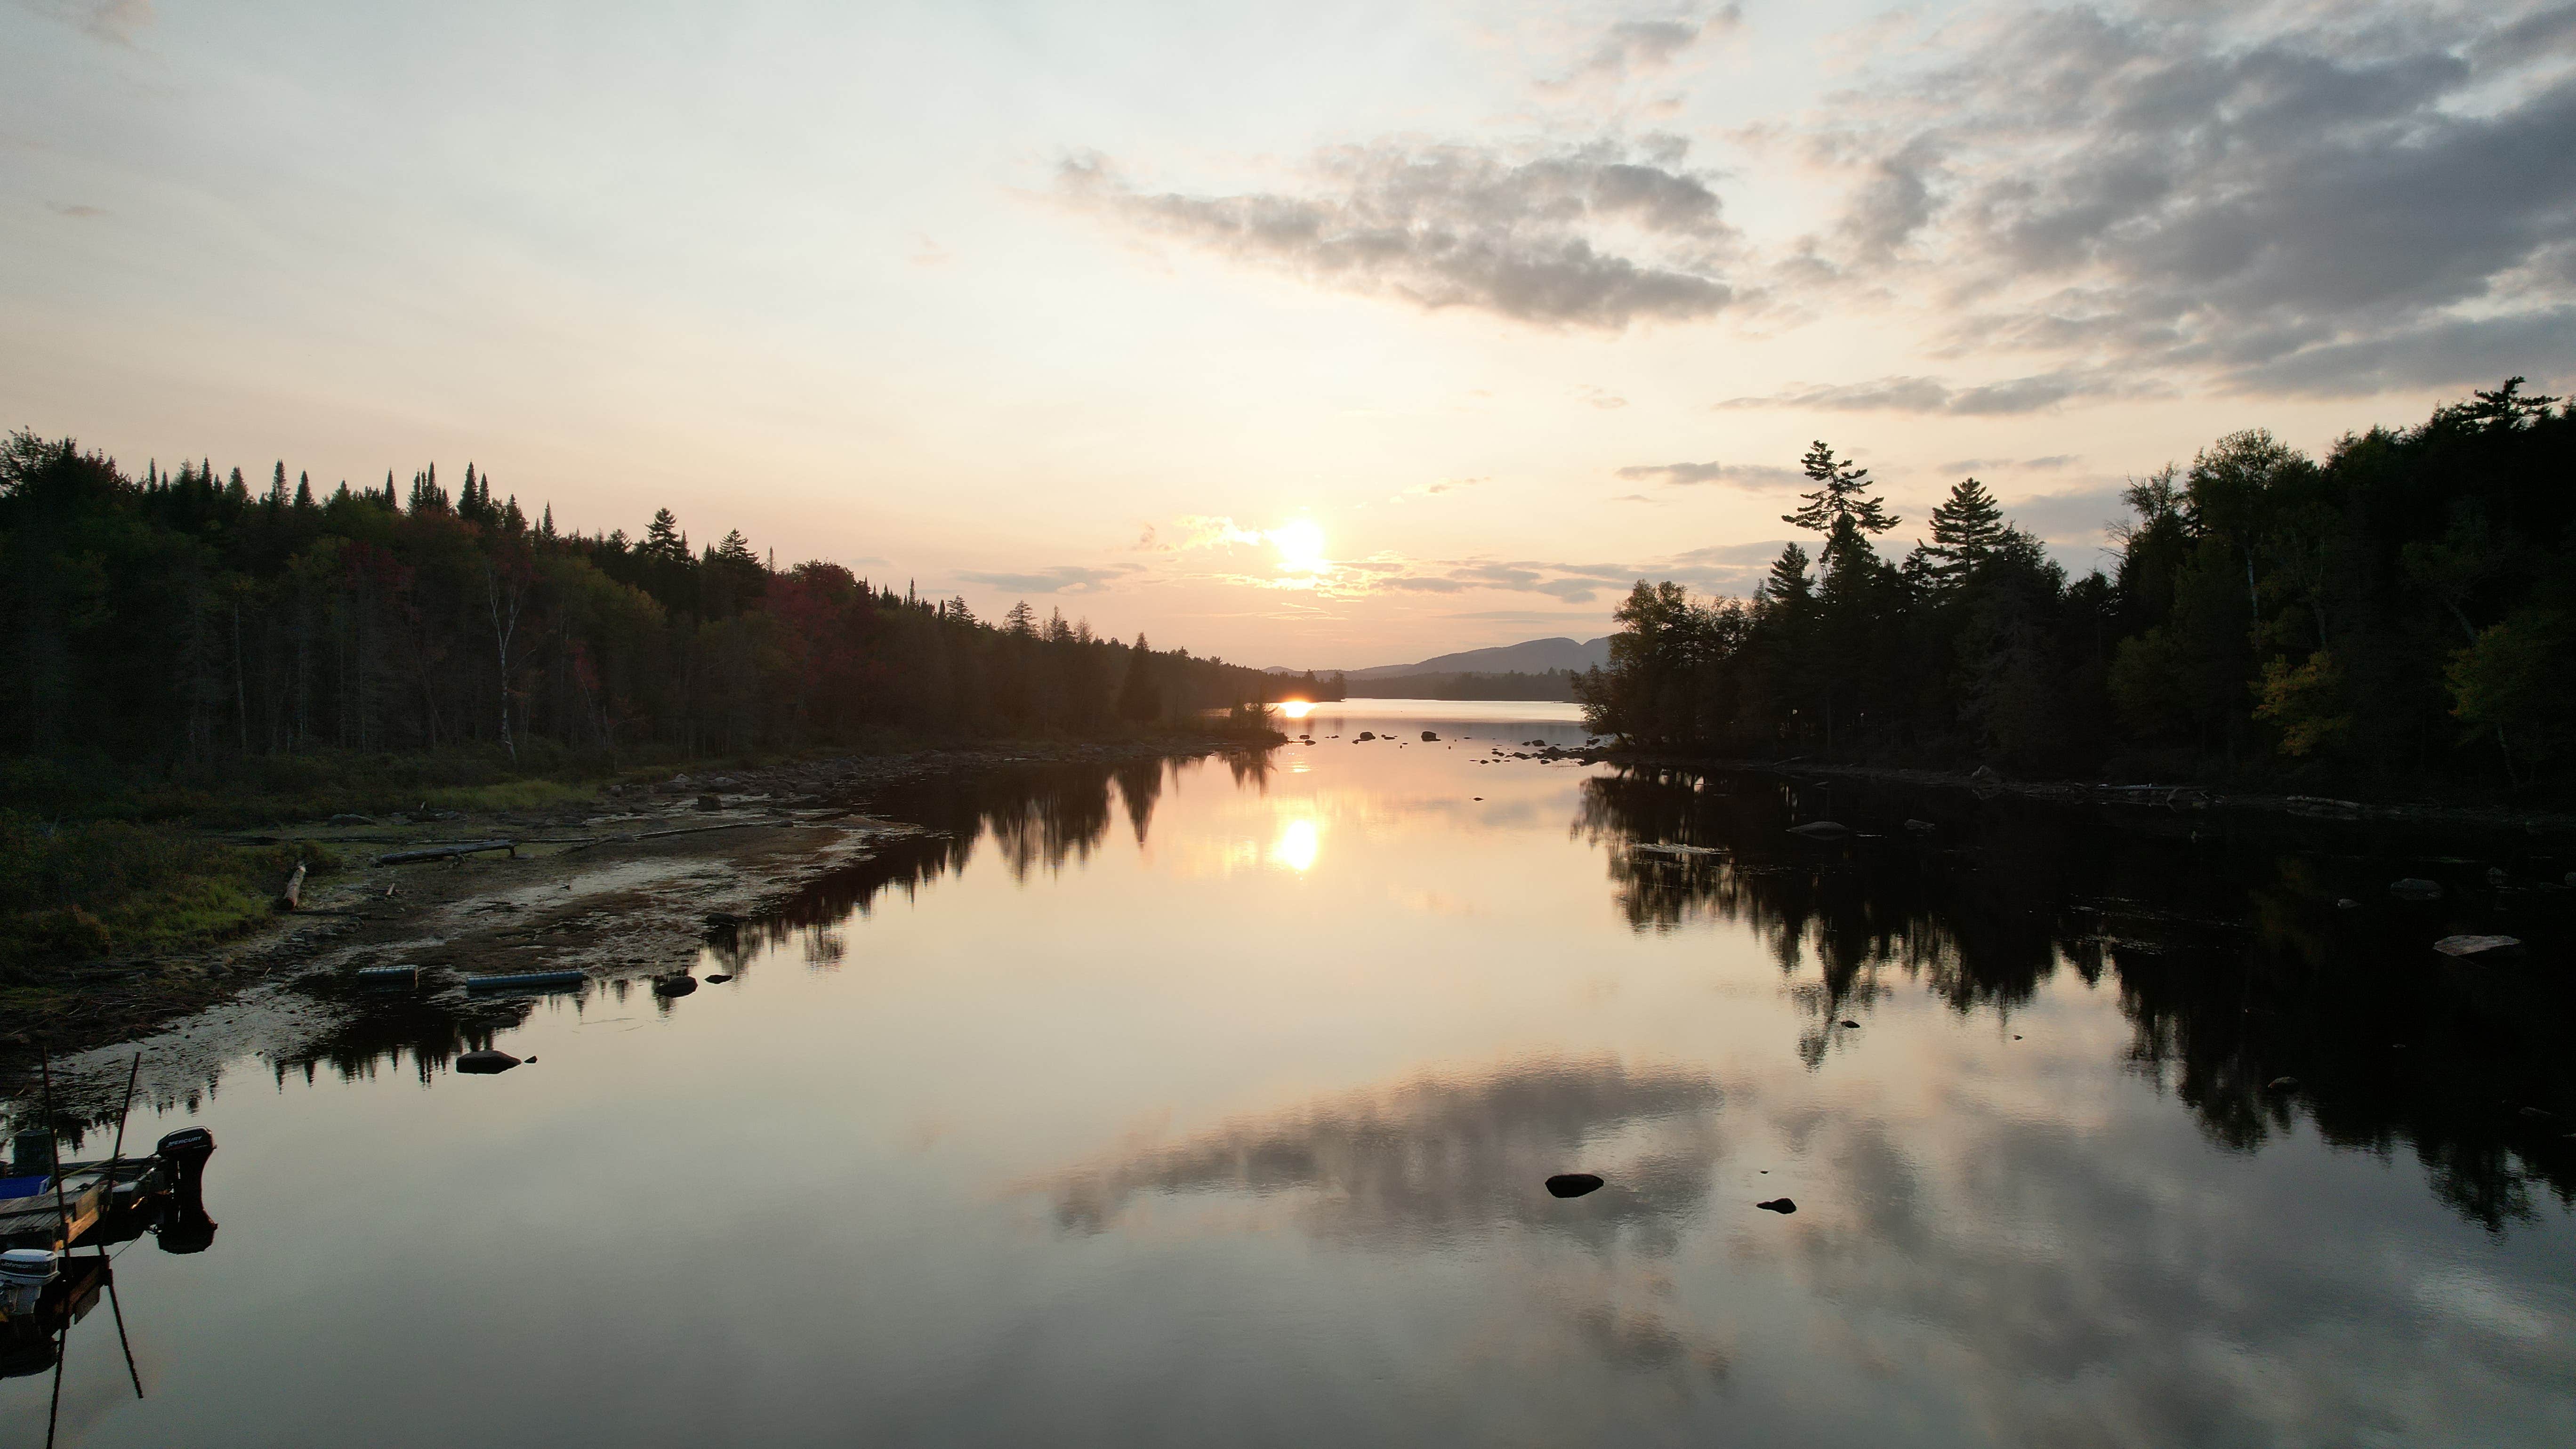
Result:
[[186, 1150], [24, 1272], [185, 1228]]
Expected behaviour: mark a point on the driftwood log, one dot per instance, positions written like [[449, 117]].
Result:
[[452, 850], [293, 896]]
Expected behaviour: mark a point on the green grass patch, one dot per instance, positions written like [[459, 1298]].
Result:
[[81, 890]]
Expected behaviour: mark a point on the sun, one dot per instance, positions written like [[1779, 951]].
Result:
[[1301, 547]]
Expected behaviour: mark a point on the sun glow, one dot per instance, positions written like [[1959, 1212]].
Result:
[[1301, 547], [1296, 846], [1296, 708]]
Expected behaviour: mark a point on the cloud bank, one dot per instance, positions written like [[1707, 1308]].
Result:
[[1599, 235]]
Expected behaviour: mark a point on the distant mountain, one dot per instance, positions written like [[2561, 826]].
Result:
[[1535, 656]]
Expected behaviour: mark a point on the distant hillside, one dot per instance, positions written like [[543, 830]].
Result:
[[1555, 684], [1535, 656]]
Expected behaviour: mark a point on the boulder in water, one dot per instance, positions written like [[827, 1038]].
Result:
[[485, 1062], [1365, 737], [1572, 1184], [1431, 737], [2474, 945], [679, 984], [2414, 888], [1921, 827], [1821, 830], [1780, 1205], [1853, 1025]]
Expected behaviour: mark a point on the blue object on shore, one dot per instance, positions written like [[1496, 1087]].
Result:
[[12, 1187], [528, 981]]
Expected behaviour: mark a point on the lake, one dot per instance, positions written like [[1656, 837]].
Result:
[[1213, 1104]]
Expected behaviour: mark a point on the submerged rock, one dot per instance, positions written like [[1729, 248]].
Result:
[[2474, 945], [1821, 829], [1572, 1184], [679, 985], [485, 1062], [1921, 827], [1780, 1205], [2415, 889], [2347, 904]]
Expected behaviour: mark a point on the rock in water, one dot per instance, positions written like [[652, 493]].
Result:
[[1780, 1205], [1366, 736], [485, 1062], [1855, 1026], [1430, 737], [2414, 889], [1572, 1184], [1821, 829], [2347, 904], [1921, 827], [2474, 945], [718, 980], [680, 985]]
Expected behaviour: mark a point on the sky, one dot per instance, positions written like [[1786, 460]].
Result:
[[1324, 335]]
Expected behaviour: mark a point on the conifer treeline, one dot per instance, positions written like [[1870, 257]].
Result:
[[182, 618], [2403, 611]]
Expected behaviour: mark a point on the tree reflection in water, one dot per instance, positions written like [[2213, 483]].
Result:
[[2234, 961]]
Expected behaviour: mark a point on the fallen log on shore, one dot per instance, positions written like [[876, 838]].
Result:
[[450, 851]]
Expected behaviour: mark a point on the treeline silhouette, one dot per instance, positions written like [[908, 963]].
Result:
[[185, 619], [2245, 950], [2402, 612]]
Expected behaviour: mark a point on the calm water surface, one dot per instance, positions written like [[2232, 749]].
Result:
[[1211, 1105]]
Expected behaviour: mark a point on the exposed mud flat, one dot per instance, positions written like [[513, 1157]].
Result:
[[637, 886]]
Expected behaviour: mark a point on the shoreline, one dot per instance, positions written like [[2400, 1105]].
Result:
[[1985, 783], [634, 886]]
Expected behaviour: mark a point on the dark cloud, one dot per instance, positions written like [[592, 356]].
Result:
[[2033, 465], [1598, 235], [2450, 350], [1633, 47], [1064, 579], [1932, 395], [1740, 475], [2289, 199]]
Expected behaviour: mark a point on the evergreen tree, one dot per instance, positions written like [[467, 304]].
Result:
[[1140, 697], [663, 540], [1966, 528], [1843, 494], [1020, 621]]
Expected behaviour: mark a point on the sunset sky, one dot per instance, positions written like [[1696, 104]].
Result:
[[1319, 334]]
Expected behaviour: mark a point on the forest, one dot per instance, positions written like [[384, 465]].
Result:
[[2399, 615], [180, 623]]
